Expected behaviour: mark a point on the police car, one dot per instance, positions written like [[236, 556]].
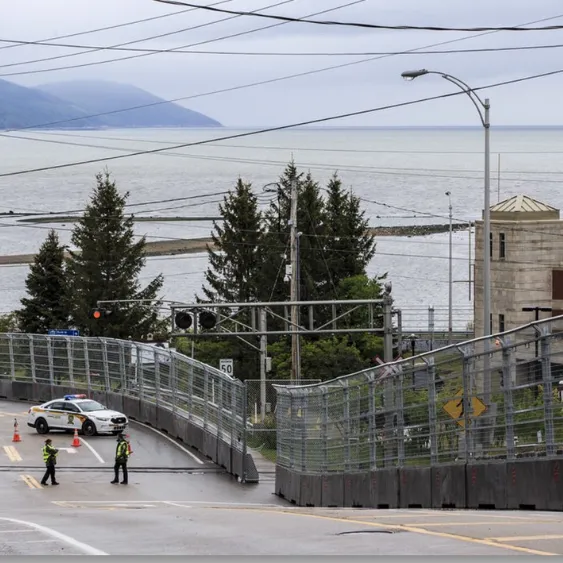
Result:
[[76, 412]]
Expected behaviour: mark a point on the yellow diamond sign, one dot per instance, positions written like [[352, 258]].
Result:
[[455, 408]]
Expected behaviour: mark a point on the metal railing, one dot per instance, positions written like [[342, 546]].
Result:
[[465, 402], [205, 396]]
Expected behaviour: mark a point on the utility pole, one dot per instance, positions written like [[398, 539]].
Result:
[[450, 281], [263, 357], [294, 287]]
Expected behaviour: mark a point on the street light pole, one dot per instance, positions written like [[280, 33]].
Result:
[[295, 368], [450, 281], [483, 109]]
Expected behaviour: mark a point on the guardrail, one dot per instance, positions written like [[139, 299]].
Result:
[[191, 401], [476, 424]]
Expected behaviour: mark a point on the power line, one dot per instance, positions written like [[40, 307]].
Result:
[[172, 49], [359, 24], [92, 48], [268, 81], [107, 28]]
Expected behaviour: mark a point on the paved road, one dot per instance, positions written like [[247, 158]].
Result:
[[179, 504]]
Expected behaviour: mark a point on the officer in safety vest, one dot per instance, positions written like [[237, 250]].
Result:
[[121, 456], [50, 459]]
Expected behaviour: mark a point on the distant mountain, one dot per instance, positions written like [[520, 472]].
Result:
[[97, 97], [26, 107]]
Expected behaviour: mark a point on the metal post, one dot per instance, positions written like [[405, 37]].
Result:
[[243, 390], [122, 368], [12, 361], [87, 367], [432, 416], [388, 381], [487, 255], [156, 356], [294, 282], [431, 326], [106, 364], [507, 367], [387, 329], [399, 410], [50, 360], [467, 402], [547, 393], [450, 277], [174, 382], [470, 252], [498, 177], [205, 398], [70, 359], [32, 358], [324, 429], [140, 373], [263, 356], [372, 425]]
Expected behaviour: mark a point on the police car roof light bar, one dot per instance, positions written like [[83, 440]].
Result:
[[70, 397]]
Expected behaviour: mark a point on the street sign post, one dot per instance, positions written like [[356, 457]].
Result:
[[63, 332], [226, 366], [455, 408]]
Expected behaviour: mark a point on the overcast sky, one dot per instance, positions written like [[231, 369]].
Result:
[[361, 86]]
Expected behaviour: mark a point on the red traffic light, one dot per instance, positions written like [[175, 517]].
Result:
[[97, 314]]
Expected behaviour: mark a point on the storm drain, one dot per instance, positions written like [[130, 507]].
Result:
[[370, 532]]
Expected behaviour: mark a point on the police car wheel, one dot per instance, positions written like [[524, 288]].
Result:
[[89, 428], [41, 426]]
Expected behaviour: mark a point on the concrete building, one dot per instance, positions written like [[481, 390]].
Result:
[[526, 263]]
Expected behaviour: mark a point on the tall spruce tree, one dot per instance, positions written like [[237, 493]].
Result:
[[349, 247], [235, 260], [46, 304], [105, 266]]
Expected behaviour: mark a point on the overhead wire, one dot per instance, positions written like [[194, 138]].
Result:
[[16, 43], [172, 49], [267, 81]]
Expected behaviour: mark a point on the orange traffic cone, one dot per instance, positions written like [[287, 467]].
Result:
[[16, 437], [76, 442]]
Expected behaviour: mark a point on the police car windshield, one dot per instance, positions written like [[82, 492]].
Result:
[[90, 406]]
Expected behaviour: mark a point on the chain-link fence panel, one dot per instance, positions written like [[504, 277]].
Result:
[[499, 397]]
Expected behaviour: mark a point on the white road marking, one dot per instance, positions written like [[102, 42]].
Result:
[[85, 548], [211, 503], [98, 457], [15, 531], [192, 455], [68, 450]]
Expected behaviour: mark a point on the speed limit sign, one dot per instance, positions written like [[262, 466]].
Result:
[[226, 366]]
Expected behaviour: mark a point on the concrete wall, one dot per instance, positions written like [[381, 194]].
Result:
[[527, 485], [173, 424]]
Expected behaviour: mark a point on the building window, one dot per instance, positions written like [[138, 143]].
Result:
[[491, 244], [502, 246], [557, 285], [491, 324], [501, 323]]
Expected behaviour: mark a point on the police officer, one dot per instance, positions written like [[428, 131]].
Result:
[[50, 459], [121, 456]]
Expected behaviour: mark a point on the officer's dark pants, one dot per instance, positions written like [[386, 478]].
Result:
[[49, 473], [123, 466]]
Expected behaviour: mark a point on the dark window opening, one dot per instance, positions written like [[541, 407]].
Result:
[[502, 246], [501, 323]]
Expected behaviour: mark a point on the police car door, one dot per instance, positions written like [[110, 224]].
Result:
[[71, 420], [56, 417]]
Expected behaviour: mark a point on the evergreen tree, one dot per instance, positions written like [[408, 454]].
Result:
[[105, 266], [349, 246], [235, 261], [46, 304]]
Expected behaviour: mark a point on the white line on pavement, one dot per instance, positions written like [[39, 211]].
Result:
[[211, 503], [85, 548], [186, 451], [98, 457]]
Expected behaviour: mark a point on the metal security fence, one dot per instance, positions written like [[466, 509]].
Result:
[[200, 394], [498, 398]]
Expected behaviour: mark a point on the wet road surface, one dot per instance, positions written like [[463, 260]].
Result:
[[179, 503]]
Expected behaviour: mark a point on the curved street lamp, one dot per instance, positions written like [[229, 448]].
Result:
[[483, 109]]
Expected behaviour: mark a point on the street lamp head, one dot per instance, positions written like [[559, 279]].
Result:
[[448, 193], [412, 74]]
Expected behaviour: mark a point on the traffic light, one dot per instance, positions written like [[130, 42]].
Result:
[[98, 314], [207, 320], [183, 320]]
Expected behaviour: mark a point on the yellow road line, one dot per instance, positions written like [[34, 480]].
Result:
[[482, 523], [31, 482], [12, 453], [528, 538], [407, 528]]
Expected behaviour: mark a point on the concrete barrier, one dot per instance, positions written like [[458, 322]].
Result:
[[147, 413], [311, 490], [132, 407], [449, 486], [5, 389], [21, 391], [114, 401], [165, 421], [41, 393], [181, 427], [415, 487], [486, 485], [357, 490], [100, 396], [195, 436], [332, 490], [224, 455], [534, 485], [210, 445], [294, 492], [281, 482], [384, 488], [237, 463]]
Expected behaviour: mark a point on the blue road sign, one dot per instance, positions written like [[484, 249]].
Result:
[[64, 332]]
